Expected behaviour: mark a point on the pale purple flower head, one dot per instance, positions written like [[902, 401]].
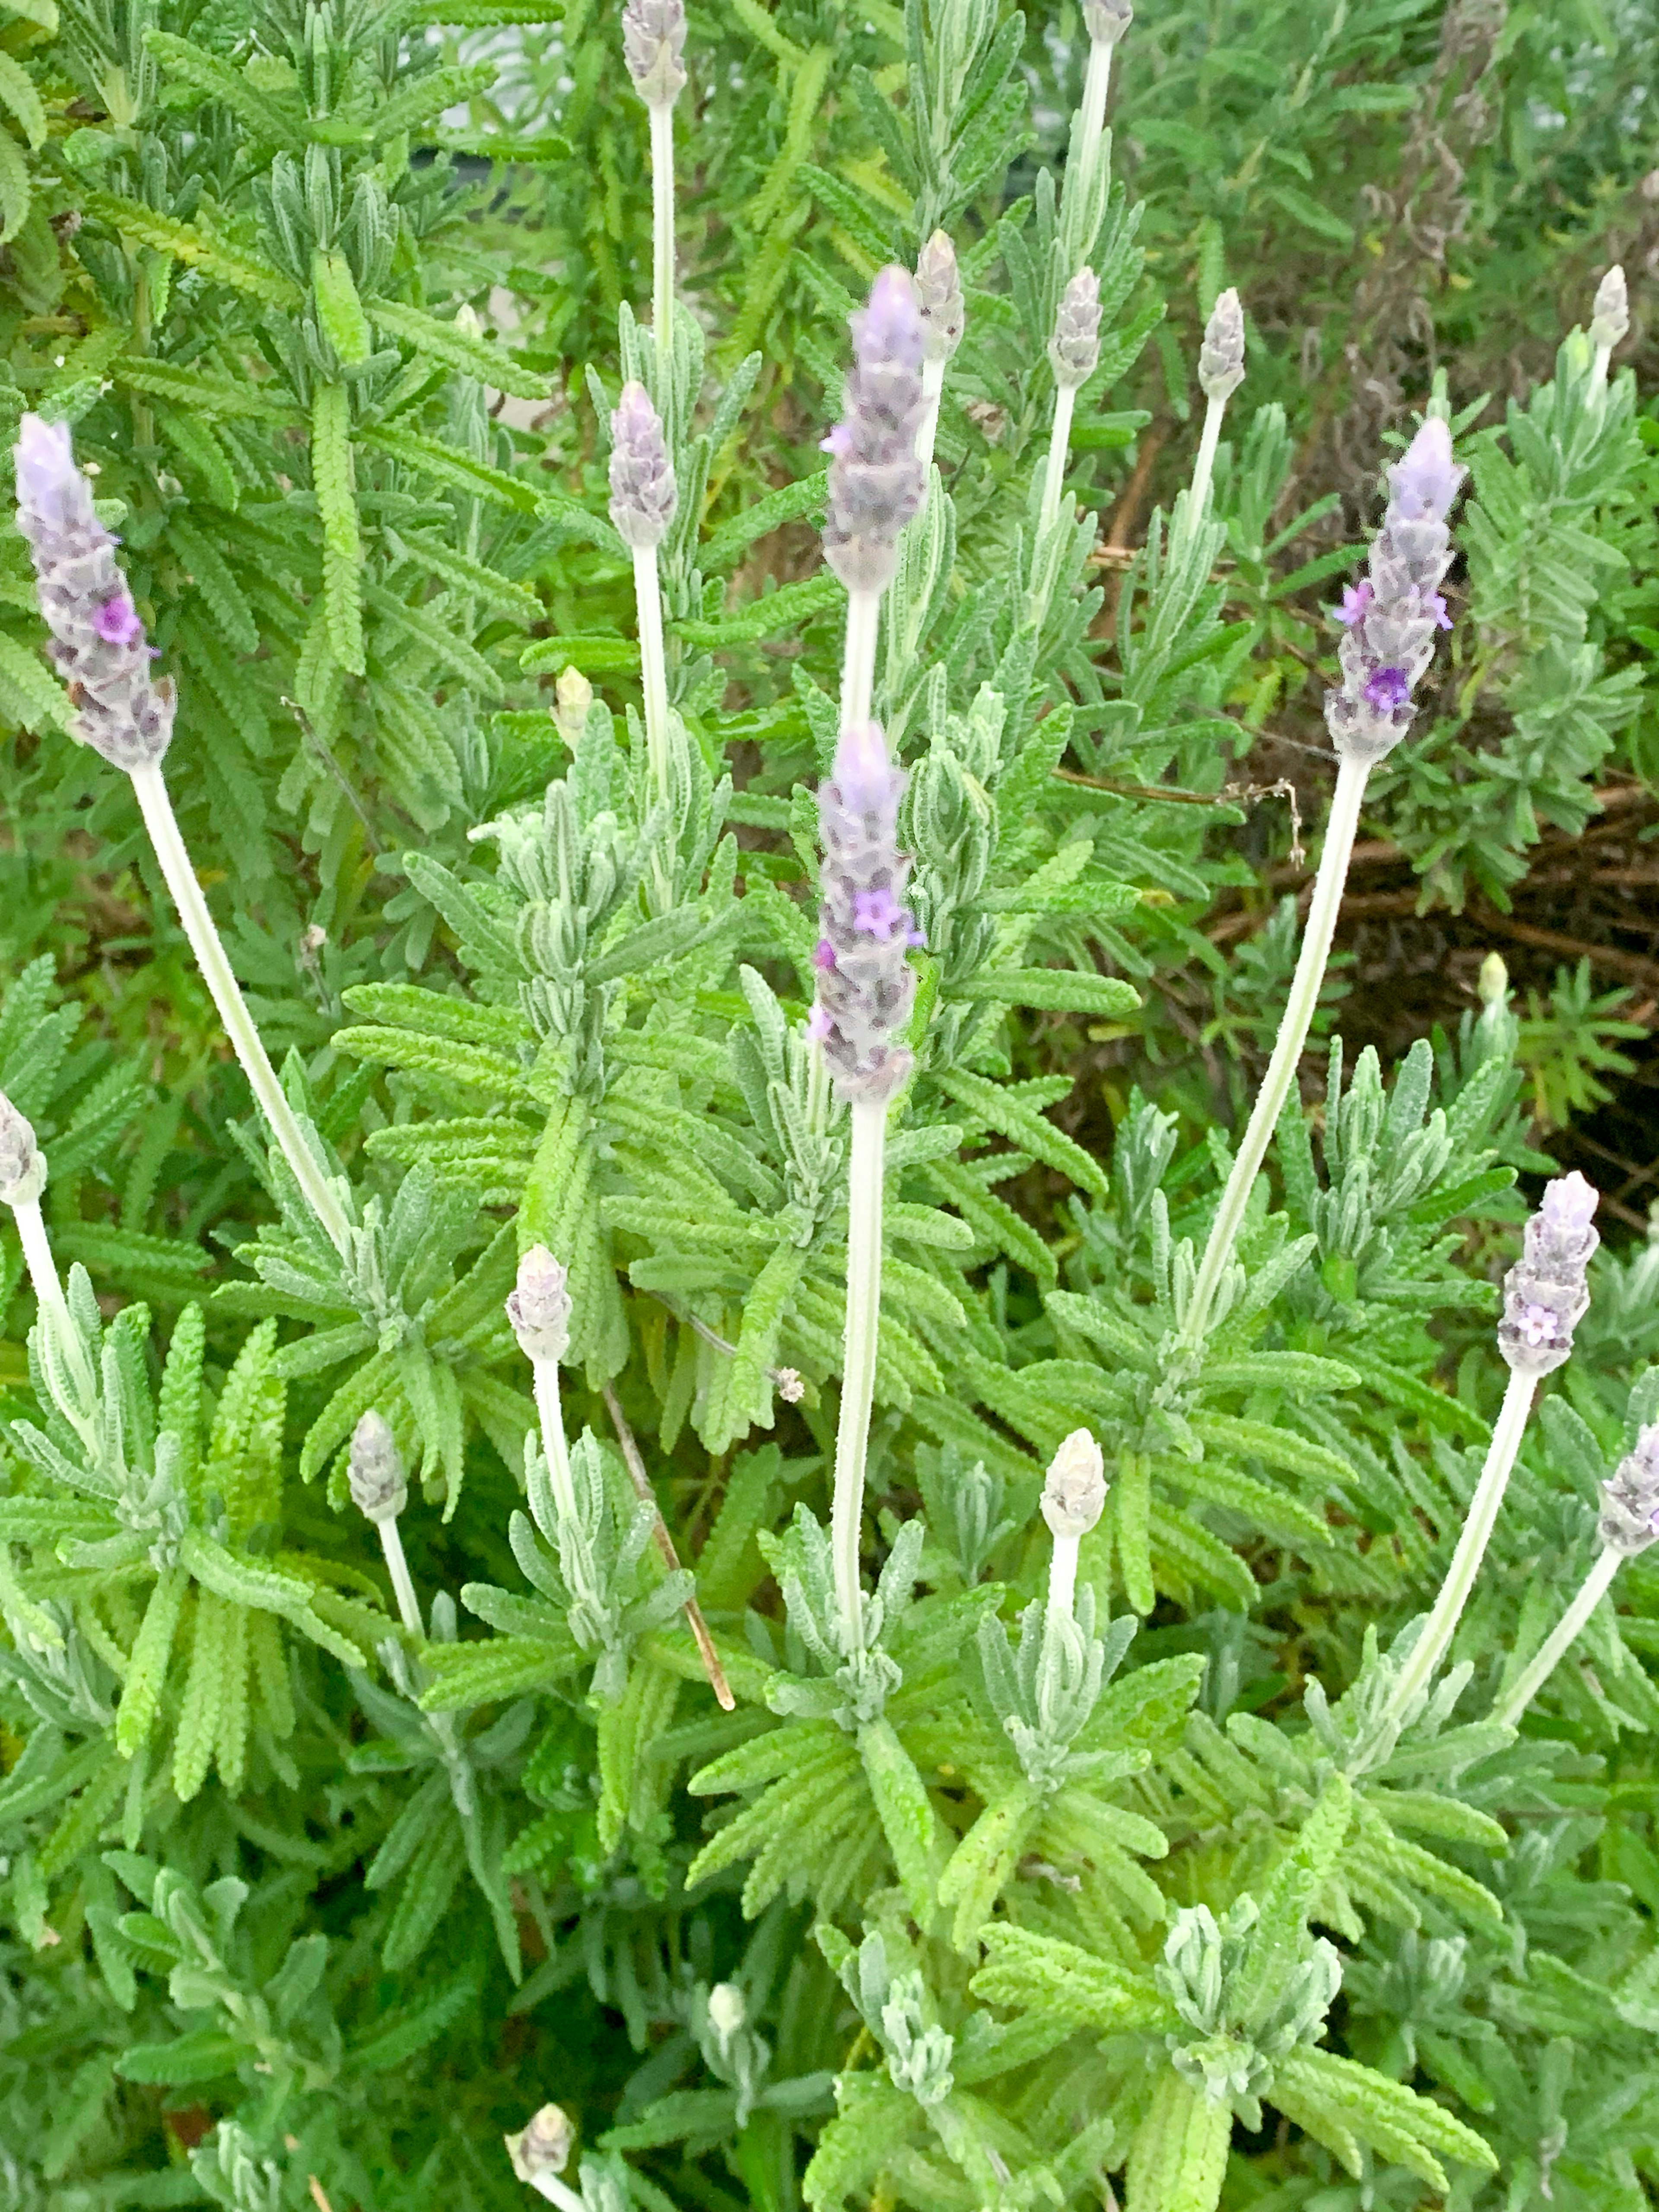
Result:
[[1106, 20], [538, 1306], [1221, 356], [865, 982], [643, 492], [1546, 1293], [1389, 619], [375, 1470], [1629, 1497], [876, 482], [22, 1165], [98, 640], [1074, 1491], [1074, 348], [653, 40]]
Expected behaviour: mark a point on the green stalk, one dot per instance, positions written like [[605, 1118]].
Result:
[[1560, 1640], [160, 820], [1310, 966], [864, 1202]]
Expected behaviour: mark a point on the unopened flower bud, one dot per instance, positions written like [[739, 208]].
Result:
[[1106, 20], [1074, 348], [1493, 984], [726, 2010], [573, 695], [1545, 1293], [1074, 1494], [653, 40], [790, 1387], [542, 2147], [375, 1471], [939, 298], [539, 1308], [1610, 316], [98, 640], [22, 1165], [1629, 1497], [1221, 356], [643, 493]]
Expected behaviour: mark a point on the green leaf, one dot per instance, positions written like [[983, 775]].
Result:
[[999, 1108], [334, 480], [490, 365], [1055, 990], [205, 2056]]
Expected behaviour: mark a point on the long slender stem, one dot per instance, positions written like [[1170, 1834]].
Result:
[[932, 387], [638, 1475], [1095, 83], [1204, 466], [653, 667], [857, 669], [1287, 1049], [181, 877], [864, 1197], [1059, 446], [662, 242], [1560, 1640], [1438, 1630], [403, 1589], [49, 1297], [1062, 1575], [555, 1450], [548, 2185]]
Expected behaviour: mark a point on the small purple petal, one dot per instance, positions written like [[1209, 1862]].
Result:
[[1434, 605], [116, 621], [1424, 480], [818, 1025], [1388, 689], [1356, 598], [824, 954], [877, 913]]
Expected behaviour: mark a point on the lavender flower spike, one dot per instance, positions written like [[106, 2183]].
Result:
[[1629, 1498], [866, 982], [1221, 356], [1610, 316], [1074, 348], [1106, 20], [653, 40], [539, 1308], [643, 492], [1392, 617], [939, 298], [99, 642], [876, 481], [22, 1164], [1545, 1295], [374, 1471]]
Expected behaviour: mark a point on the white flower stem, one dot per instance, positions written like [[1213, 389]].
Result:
[[1438, 1629], [1287, 1049], [408, 1606], [1059, 446], [653, 667], [162, 824], [662, 241], [1600, 367], [1204, 467], [1560, 1640], [555, 1450], [863, 1199], [1062, 1576], [858, 668], [1097, 83], [932, 388], [548, 2185], [49, 1297]]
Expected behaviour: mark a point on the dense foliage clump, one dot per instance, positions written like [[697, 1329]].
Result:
[[731, 1443]]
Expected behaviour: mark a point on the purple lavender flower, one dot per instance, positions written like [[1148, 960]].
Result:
[[1074, 348], [1391, 617], [1629, 1497], [866, 985], [98, 640], [653, 40], [1545, 1293], [643, 492], [876, 482]]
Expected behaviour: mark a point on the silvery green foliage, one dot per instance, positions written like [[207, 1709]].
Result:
[[234, 2175], [851, 1686], [1243, 2017], [964, 1502], [1043, 1688], [598, 1587], [894, 2006]]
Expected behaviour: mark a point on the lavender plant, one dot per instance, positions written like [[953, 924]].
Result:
[[706, 1556]]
